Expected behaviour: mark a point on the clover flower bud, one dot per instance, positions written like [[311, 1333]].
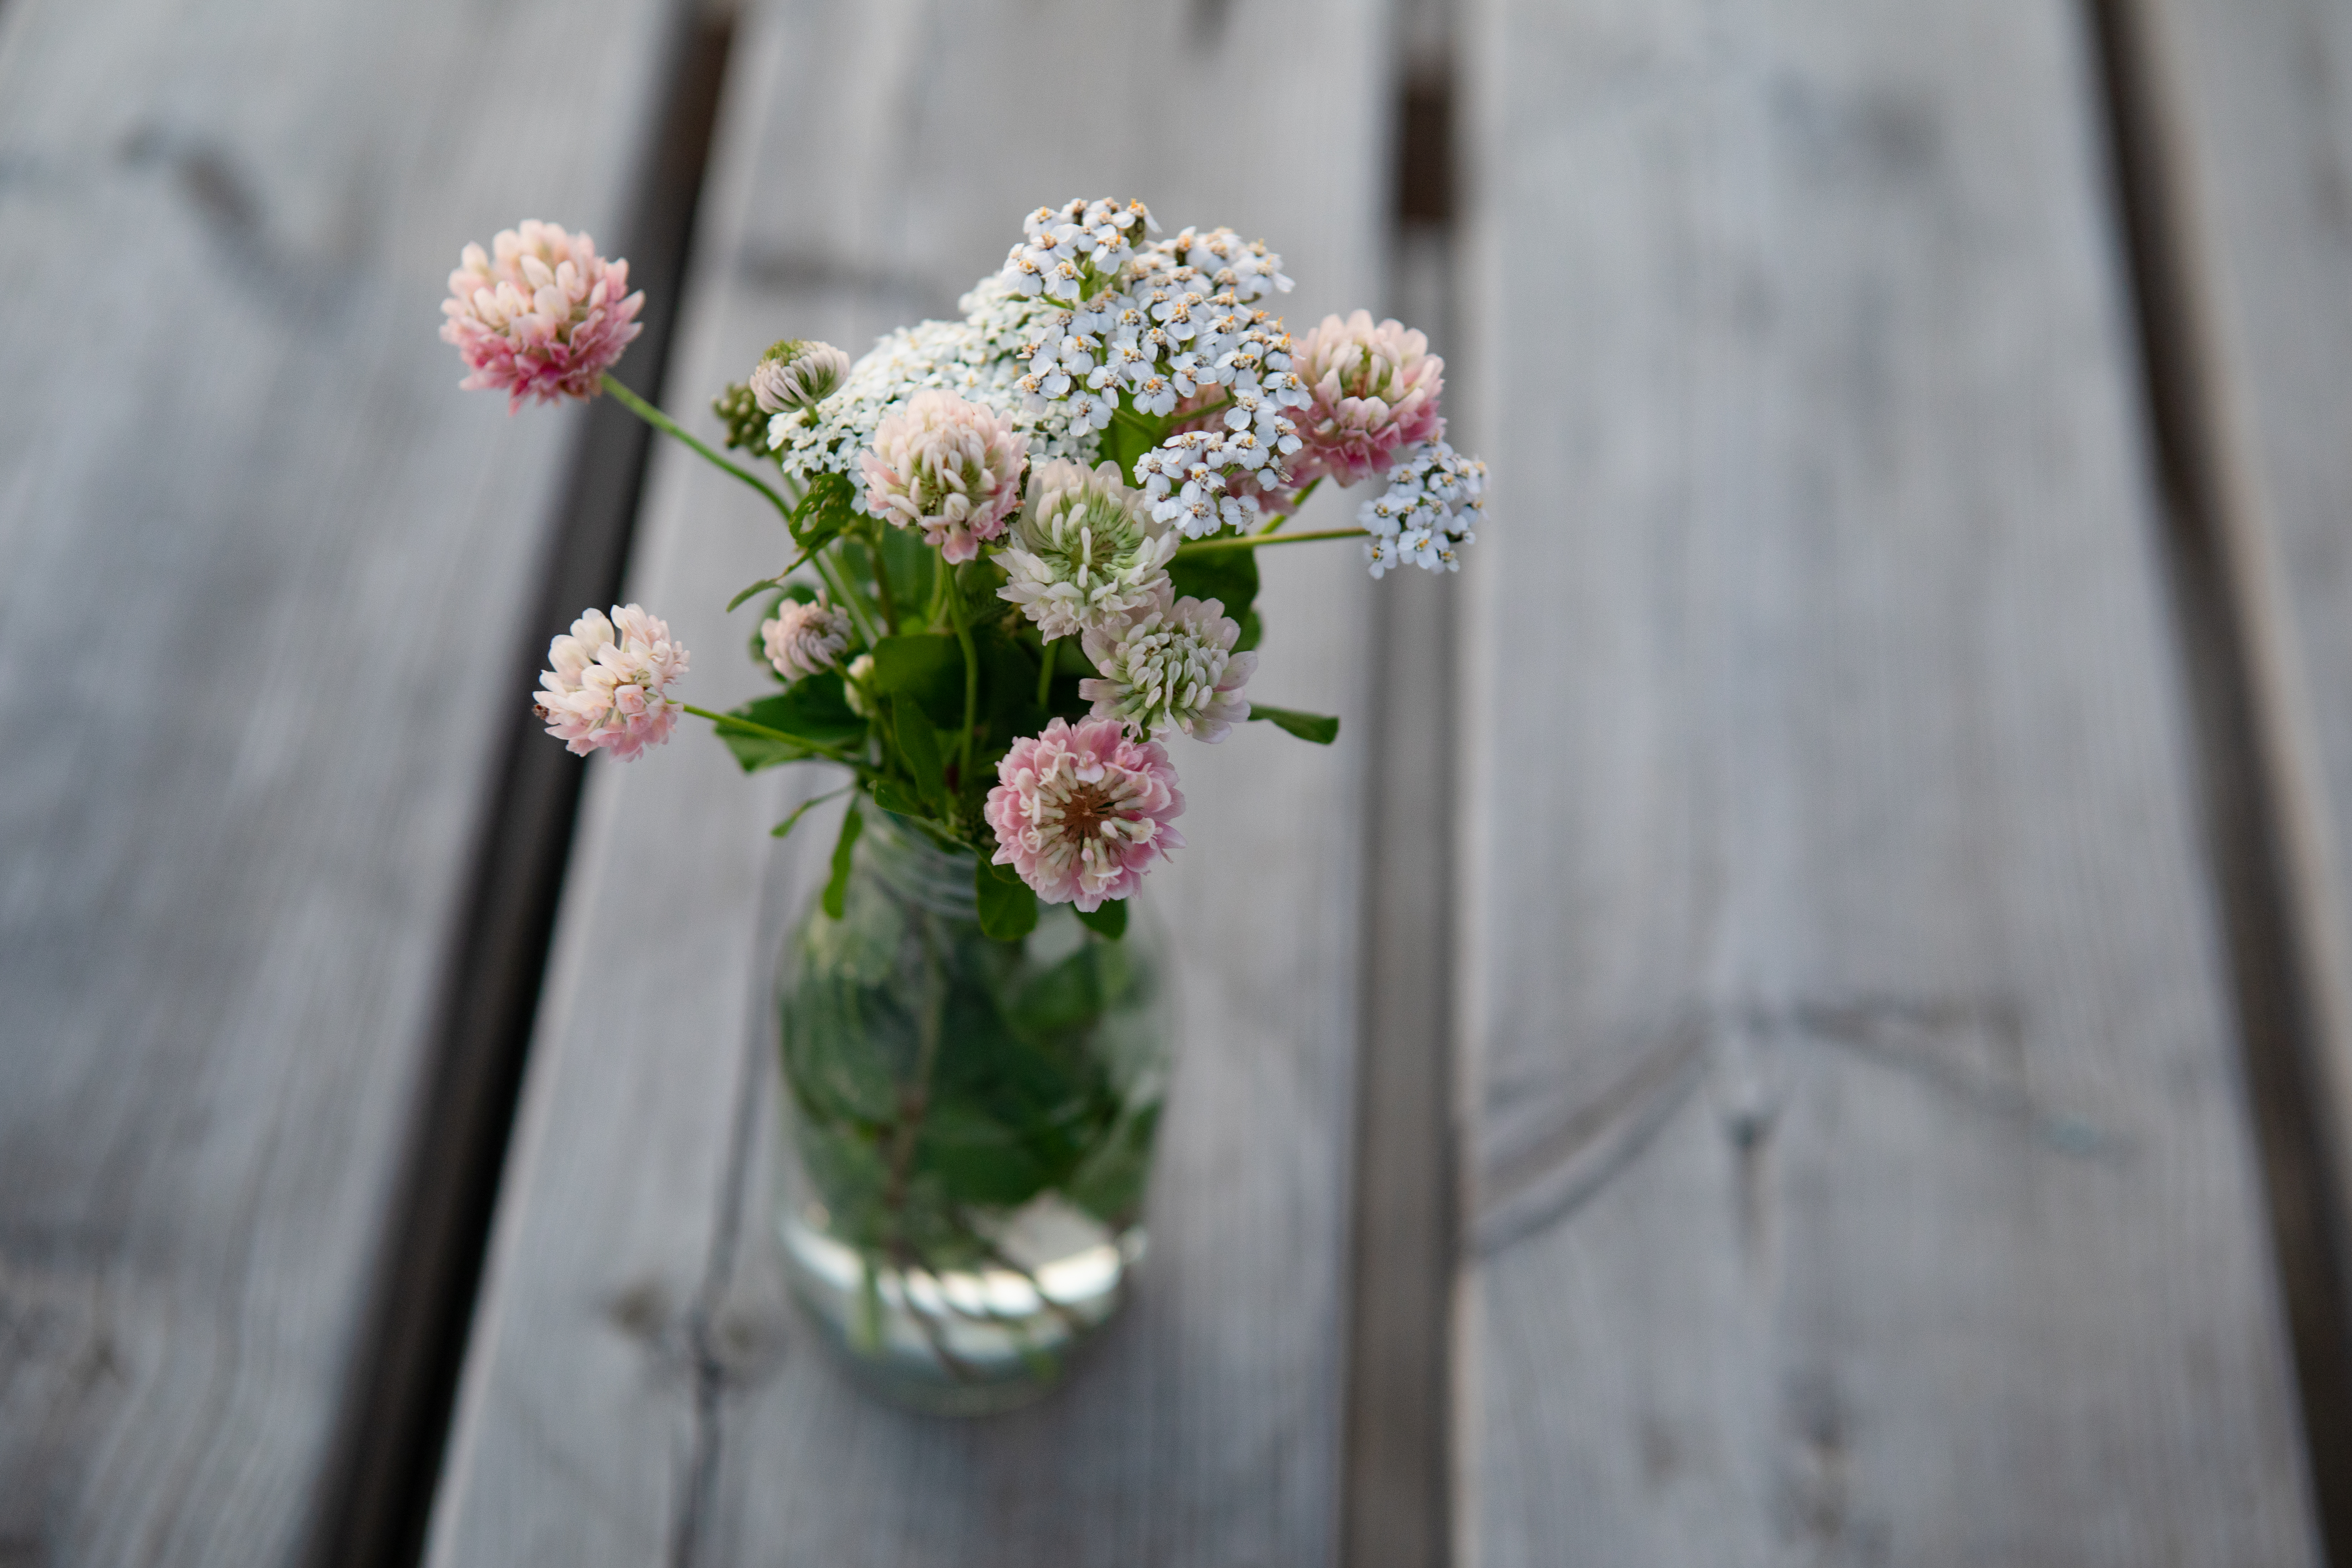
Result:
[[804, 638], [793, 376], [544, 315], [854, 682], [746, 422]]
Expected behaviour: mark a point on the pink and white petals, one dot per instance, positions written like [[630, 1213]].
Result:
[[542, 316], [1081, 811], [1374, 391], [948, 467], [609, 688], [804, 638]]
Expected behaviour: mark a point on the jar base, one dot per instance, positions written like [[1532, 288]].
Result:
[[965, 1341]]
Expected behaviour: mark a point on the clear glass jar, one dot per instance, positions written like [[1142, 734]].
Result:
[[970, 1125]]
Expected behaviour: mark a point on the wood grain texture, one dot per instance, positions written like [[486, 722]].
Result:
[[2250, 102], [1861, 1162], [638, 1391], [265, 567]]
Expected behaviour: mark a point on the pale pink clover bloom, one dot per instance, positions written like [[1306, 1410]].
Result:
[[804, 638], [544, 315], [1172, 667], [949, 466], [1081, 811], [1373, 391], [609, 687]]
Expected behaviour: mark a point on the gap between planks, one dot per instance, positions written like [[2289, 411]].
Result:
[[1395, 1508], [2239, 714], [396, 1412]]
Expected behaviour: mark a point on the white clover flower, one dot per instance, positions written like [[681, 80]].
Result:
[[1084, 551], [1171, 667], [793, 376], [609, 687], [1430, 507], [804, 638]]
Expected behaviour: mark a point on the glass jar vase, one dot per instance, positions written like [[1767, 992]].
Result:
[[970, 1125]]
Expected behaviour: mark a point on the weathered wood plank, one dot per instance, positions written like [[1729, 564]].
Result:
[[266, 567], [636, 1387], [2245, 180], [1862, 1163]]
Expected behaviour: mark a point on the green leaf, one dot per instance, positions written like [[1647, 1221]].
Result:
[[1253, 632], [824, 512], [1228, 576], [789, 823], [1008, 687], [837, 888], [804, 720], [893, 797], [912, 564], [981, 1159], [1064, 1000], [1316, 727], [929, 667], [1008, 908], [918, 745], [1110, 920]]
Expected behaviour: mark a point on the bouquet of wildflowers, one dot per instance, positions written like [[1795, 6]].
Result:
[[1022, 544], [1022, 558]]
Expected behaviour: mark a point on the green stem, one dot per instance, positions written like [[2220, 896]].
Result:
[[1046, 676], [1274, 525], [882, 580], [854, 602], [1255, 540], [742, 726], [669, 427], [970, 675], [942, 575]]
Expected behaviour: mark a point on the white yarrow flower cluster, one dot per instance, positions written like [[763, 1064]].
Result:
[[1063, 249], [967, 359], [1172, 667], [1431, 506], [1085, 551], [1175, 325]]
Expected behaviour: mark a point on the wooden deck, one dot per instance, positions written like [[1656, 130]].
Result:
[[1808, 1019]]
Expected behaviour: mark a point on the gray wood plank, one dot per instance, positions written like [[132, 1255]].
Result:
[[636, 1388], [1861, 1163], [2254, 139], [267, 566]]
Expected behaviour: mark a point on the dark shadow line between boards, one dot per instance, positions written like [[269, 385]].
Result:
[[2241, 801], [1403, 1229], [378, 1487]]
